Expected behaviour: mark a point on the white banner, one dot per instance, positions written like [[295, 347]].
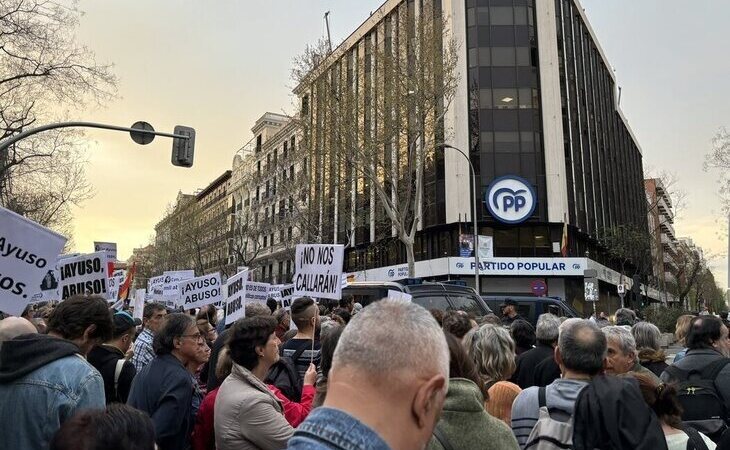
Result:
[[200, 291], [115, 282], [318, 270], [257, 292], [171, 283], [284, 294], [235, 297], [154, 288], [139, 298], [486, 247], [85, 274], [28, 254], [398, 295], [109, 247], [520, 266]]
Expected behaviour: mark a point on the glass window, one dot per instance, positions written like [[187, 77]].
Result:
[[520, 15], [526, 136], [503, 56], [473, 58], [466, 303], [503, 77], [501, 15], [503, 36], [505, 98], [485, 98], [433, 302], [482, 15], [470, 17], [505, 120], [485, 56], [506, 136], [508, 147], [523, 56], [525, 98]]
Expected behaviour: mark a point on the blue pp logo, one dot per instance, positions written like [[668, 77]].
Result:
[[511, 199], [391, 273], [459, 265]]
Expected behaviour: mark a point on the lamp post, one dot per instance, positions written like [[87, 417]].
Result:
[[473, 216]]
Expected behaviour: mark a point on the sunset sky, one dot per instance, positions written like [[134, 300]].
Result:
[[218, 66]]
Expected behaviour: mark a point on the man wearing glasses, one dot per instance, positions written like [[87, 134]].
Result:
[[153, 318], [164, 388]]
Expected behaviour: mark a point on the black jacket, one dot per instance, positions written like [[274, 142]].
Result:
[[28, 352], [164, 390], [546, 371], [611, 414], [524, 375], [104, 358]]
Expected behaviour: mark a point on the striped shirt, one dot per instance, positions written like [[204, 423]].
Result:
[[143, 351], [292, 345]]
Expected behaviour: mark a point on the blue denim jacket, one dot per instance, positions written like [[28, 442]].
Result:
[[332, 429], [33, 407]]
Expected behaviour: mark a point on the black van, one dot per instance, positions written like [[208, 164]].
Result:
[[442, 296], [531, 307]]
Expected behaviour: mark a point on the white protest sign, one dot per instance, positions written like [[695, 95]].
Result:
[[257, 292], [139, 298], [235, 297], [398, 295], [318, 270], [115, 282], [109, 247], [28, 253], [285, 295], [172, 281], [155, 286], [85, 274], [200, 291]]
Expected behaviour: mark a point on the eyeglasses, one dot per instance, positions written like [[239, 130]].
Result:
[[197, 336]]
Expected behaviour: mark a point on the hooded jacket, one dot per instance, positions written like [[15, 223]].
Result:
[[611, 414], [43, 382], [105, 358], [654, 360]]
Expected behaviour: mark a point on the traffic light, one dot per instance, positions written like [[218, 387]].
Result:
[[183, 149]]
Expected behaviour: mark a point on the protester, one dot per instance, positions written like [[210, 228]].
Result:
[[625, 317], [491, 319], [195, 367], [247, 414], [464, 423], [347, 302], [153, 317], [649, 349], [329, 344], [621, 357], [45, 379], [580, 352], [203, 435], [493, 351], [305, 317], [164, 388], [723, 317], [602, 319], [356, 308], [662, 399], [118, 427], [438, 315], [12, 327], [283, 322], [456, 323], [547, 339], [680, 333], [611, 413], [342, 313], [704, 396], [509, 312], [523, 334], [381, 399], [111, 362]]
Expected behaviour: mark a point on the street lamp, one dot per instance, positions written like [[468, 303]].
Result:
[[473, 216]]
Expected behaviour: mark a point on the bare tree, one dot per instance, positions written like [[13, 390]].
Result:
[[41, 68], [384, 132], [719, 158]]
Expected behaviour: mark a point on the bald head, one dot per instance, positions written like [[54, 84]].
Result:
[[13, 327]]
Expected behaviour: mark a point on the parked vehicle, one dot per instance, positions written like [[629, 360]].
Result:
[[531, 307], [430, 295]]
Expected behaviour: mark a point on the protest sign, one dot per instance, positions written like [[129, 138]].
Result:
[[139, 298], [115, 282], [284, 294], [235, 297], [28, 254], [171, 283], [154, 288], [398, 295], [257, 292], [318, 270], [200, 291], [111, 252], [85, 274]]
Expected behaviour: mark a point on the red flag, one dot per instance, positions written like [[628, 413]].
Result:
[[124, 289]]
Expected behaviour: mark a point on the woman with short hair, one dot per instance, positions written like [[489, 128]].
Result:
[[648, 347], [493, 351]]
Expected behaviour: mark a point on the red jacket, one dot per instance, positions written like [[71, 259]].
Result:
[[203, 437]]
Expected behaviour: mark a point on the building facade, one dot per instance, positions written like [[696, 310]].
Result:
[[664, 243], [537, 100], [213, 227]]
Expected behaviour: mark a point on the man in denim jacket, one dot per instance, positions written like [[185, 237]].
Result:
[[45, 379], [387, 383]]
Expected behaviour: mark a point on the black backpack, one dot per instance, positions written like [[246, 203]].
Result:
[[703, 407], [285, 376], [694, 440]]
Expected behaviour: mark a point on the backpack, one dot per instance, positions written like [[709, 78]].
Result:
[[117, 372], [694, 441], [285, 376], [703, 407], [550, 432]]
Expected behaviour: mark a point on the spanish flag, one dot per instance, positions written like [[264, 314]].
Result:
[[124, 289], [564, 241]]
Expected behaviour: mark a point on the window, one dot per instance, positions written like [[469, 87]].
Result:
[[482, 15], [266, 241], [485, 98], [485, 56], [258, 143], [523, 56], [289, 233], [293, 141], [500, 15], [258, 168], [276, 153], [520, 15], [281, 268], [286, 145], [503, 56], [505, 98]]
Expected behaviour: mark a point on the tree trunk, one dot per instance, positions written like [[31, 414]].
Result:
[[411, 258]]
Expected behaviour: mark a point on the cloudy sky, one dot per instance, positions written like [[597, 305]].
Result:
[[217, 66]]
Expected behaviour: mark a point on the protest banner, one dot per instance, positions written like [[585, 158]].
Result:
[[257, 292], [318, 270], [200, 291], [171, 283], [85, 274], [111, 252], [284, 294], [154, 288], [115, 282], [139, 300], [235, 297], [28, 254], [398, 295]]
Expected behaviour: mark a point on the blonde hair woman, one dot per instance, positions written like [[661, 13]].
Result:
[[680, 332], [493, 351]]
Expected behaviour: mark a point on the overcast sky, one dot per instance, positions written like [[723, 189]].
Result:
[[218, 66]]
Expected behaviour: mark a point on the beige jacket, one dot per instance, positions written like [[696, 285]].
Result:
[[248, 416]]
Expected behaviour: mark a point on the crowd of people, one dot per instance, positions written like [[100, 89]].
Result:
[[392, 375]]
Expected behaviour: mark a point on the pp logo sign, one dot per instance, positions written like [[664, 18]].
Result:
[[511, 199]]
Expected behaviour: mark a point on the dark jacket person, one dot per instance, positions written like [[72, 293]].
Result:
[[108, 358], [547, 337], [164, 388]]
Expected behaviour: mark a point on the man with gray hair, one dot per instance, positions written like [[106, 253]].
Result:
[[383, 391], [547, 338], [580, 353], [12, 327], [622, 357]]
